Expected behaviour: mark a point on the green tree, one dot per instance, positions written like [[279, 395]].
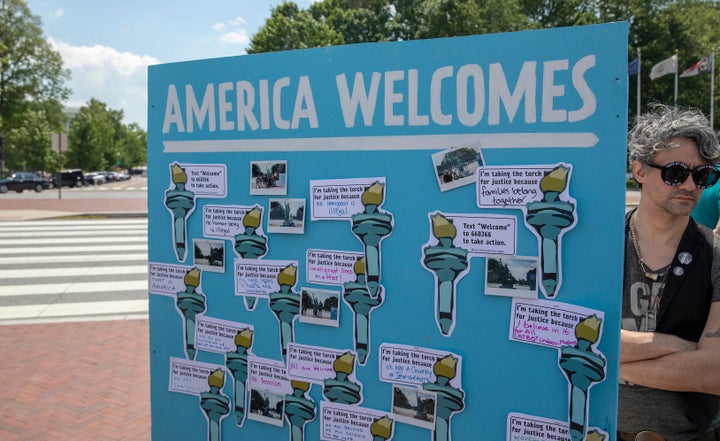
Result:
[[31, 86], [553, 13], [98, 140], [450, 18], [290, 27], [357, 21], [131, 146], [92, 137], [30, 149]]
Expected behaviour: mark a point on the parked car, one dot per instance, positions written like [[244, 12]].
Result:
[[123, 176], [111, 176], [140, 171], [22, 181], [95, 178], [70, 178]]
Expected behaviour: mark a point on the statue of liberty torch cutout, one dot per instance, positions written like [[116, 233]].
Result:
[[215, 404], [381, 429], [550, 217], [582, 367], [299, 409], [341, 389], [237, 363], [250, 244], [449, 398], [449, 264], [358, 297], [286, 305], [180, 202], [190, 303], [371, 226]]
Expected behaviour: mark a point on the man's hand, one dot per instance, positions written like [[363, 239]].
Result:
[[667, 362]]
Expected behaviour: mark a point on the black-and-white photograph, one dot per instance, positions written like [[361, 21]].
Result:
[[268, 177], [511, 276], [320, 306], [414, 406], [457, 166], [209, 255], [266, 407], [286, 216]]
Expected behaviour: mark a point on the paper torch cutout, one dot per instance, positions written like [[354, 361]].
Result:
[[582, 367], [250, 244], [448, 263], [371, 226], [299, 409], [180, 202], [357, 296], [449, 398], [341, 389], [286, 305], [549, 217], [190, 303], [237, 363], [215, 404], [381, 429]]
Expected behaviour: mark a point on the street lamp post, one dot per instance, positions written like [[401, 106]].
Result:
[[59, 172]]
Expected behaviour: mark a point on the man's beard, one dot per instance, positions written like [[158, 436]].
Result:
[[676, 207]]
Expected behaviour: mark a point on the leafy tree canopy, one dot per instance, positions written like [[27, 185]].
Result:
[[657, 27], [31, 87]]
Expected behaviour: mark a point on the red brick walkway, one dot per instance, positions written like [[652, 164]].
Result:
[[82, 381]]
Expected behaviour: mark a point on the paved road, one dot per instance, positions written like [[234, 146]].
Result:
[[120, 198], [70, 270]]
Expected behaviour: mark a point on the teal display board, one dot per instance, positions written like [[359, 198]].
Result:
[[407, 241]]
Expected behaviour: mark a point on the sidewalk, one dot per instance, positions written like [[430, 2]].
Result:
[[28, 209], [80, 381]]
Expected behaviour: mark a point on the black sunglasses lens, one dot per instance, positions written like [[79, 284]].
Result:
[[675, 174], [705, 176]]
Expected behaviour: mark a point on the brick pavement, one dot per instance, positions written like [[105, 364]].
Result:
[[81, 381]]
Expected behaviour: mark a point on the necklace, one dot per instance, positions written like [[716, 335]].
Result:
[[651, 313], [652, 275]]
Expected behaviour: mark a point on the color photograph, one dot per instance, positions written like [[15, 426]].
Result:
[[268, 177], [414, 406], [456, 167], [512, 276], [209, 255], [266, 407], [320, 307], [286, 216]]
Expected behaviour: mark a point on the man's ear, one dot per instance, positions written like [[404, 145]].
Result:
[[639, 171]]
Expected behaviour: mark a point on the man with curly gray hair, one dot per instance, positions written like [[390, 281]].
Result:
[[670, 338]]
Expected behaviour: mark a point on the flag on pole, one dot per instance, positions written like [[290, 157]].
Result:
[[701, 67], [633, 67], [666, 66]]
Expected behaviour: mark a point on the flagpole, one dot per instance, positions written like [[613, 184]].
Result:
[[712, 90], [677, 63], [638, 81]]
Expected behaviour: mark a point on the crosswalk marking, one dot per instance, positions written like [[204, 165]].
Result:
[[25, 242], [73, 270], [72, 259], [57, 312], [75, 249], [72, 288], [85, 271]]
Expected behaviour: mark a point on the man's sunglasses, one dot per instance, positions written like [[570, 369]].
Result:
[[675, 173]]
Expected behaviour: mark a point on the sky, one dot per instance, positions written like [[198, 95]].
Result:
[[108, 45]]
